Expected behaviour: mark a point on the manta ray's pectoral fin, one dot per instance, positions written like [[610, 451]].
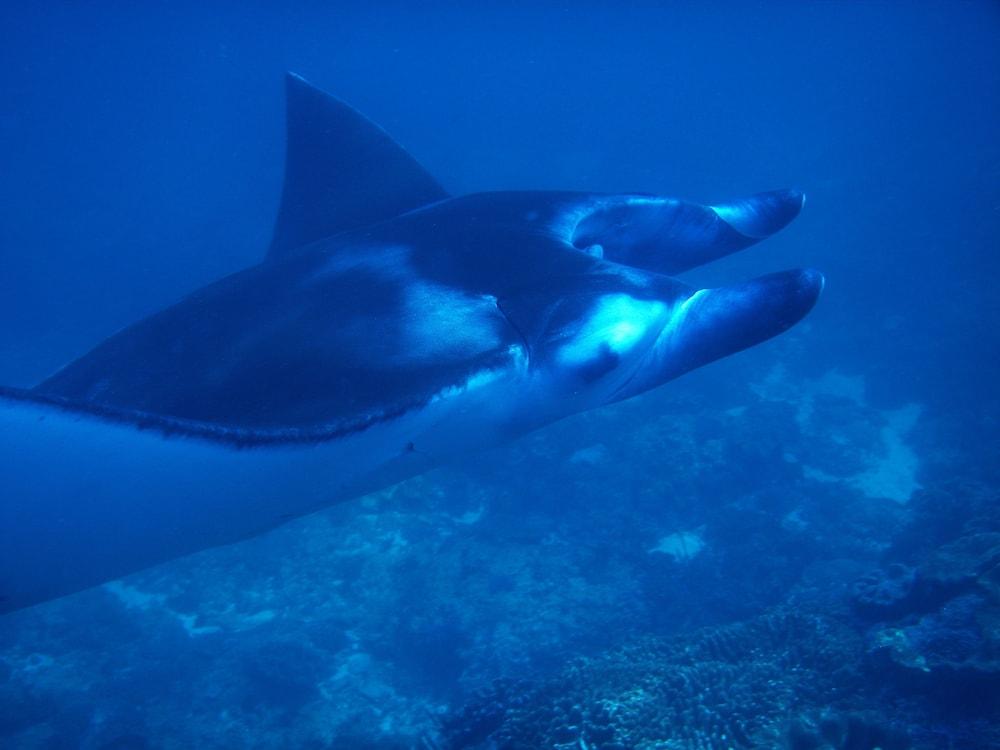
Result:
[[670, 236], [342, 171]]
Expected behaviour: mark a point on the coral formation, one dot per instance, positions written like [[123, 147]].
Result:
[[723, 687]]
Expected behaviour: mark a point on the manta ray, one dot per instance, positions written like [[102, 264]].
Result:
[[391, 327]]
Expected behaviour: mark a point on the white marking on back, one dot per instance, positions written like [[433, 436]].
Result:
[[439, 322], [387, 261]]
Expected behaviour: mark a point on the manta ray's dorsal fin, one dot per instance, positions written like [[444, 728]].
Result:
[[342, 171]]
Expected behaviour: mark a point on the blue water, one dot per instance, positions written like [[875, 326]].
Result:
[[791, 547]]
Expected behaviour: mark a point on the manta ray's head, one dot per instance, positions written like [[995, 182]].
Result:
[[619, 332]]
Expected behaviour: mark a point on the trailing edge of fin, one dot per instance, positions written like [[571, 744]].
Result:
[[342, 171], [170, 427]]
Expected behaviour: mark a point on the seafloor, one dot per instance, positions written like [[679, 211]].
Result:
[[768, 563]]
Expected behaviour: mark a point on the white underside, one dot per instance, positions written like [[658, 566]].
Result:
[[85, 500]]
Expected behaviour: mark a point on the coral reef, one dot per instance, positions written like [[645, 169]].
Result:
[[722, 687]]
